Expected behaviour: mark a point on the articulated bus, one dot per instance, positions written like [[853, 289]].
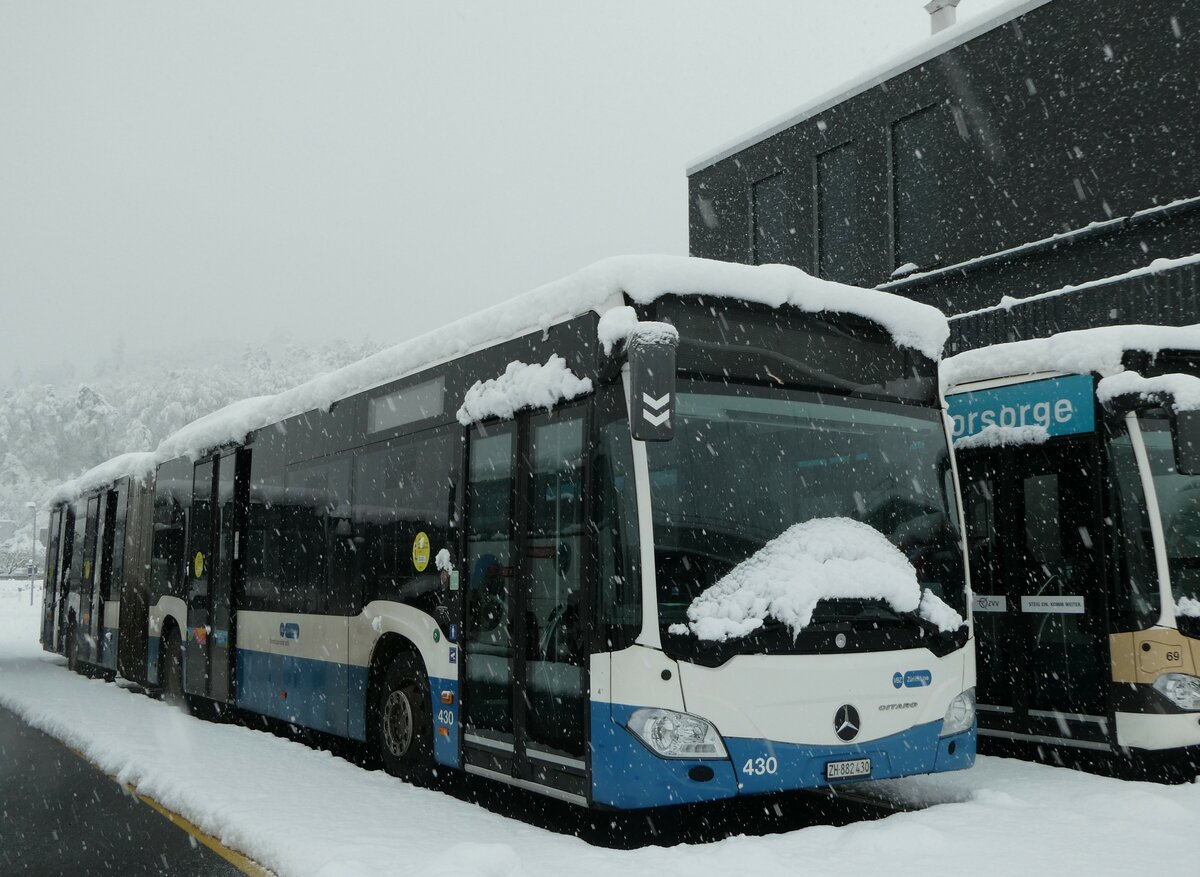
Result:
[[485, 549], [1081, 489]]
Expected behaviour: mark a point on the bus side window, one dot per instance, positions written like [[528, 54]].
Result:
[[403, 517]]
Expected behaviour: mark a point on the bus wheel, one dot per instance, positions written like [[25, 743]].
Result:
[[404, 731], [172, 670]]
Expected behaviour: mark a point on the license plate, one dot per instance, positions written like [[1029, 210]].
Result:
[[841, 770]]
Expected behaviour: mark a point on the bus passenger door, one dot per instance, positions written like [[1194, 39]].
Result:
[[232, 486], [1034, 525], [553, 686], [85, 621], [524, 640], [1063, 603], [200, 569], [217, 533], [50, 583], [488, 630], [995, 609]]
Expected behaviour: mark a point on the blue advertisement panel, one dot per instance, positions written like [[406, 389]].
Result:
[[1061, 406]]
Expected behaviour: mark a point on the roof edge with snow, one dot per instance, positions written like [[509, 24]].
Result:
[[598, 288], [138, 465], [1100, 350]]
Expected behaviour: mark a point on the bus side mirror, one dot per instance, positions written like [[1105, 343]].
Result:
[[1185, 430], [652, 348]]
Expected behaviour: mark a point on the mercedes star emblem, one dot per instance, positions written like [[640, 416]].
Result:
[[845, 722]]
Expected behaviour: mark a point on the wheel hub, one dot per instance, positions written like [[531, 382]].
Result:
[[397, 723]]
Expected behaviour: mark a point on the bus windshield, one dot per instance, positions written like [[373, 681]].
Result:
[[748, 462], [1179, 505]]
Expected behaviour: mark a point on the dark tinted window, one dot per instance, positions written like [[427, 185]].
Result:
[[782, 346], [619, 592], [837, 213], [117, 564], [1134, 575], [172, 500], [775, 226], [297, 520], [404, 516]]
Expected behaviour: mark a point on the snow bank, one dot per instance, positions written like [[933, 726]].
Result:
[[821, 559], [1188, 607], [994, 436], [1183, 389], [1079, 352], [522, 386], [138, 466]]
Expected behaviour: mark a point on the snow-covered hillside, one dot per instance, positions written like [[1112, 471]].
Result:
[[52, 432], [300, 811]]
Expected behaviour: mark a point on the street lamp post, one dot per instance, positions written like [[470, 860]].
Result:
[[32, 506]]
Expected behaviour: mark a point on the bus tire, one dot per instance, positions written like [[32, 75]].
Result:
[[403, 725], [171, 672]]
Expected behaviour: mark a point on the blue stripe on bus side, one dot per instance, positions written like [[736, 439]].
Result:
[[304, 691], [332, 697], [626, 774]]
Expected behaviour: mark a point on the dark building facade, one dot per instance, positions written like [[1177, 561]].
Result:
[[1054, 145]]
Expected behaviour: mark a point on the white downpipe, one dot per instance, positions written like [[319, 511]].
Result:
[[1166, 606], [649, 635]]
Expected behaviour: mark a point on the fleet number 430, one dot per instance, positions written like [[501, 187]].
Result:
[[760, 766]]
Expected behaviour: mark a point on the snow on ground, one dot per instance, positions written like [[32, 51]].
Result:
[[303, 812]]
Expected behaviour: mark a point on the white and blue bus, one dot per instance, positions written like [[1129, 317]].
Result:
[[1081, 486], [666, 531]]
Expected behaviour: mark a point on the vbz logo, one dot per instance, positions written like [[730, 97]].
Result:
[[289, 630]]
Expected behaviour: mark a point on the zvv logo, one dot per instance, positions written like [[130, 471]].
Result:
[[656, 405]]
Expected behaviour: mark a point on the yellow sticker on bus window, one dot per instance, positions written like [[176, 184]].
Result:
[[198, 564], [421, 552]]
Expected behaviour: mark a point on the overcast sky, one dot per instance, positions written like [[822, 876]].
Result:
[[175, 173]]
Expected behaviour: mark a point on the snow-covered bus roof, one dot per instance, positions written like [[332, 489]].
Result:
[[138, 465], [1083, 351], [598, 288], [945, 41]]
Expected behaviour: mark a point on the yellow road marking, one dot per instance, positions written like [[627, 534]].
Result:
[[238, 860]]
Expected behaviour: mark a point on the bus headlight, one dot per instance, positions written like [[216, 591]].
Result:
[[676, 735], [1181, 689], [960, 716]]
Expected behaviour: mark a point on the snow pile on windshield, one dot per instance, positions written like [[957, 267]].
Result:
[[1188, 607], [821, 559], [1079, 352], [522, 386], [1183, 390], [996, 436], [138, 466]]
